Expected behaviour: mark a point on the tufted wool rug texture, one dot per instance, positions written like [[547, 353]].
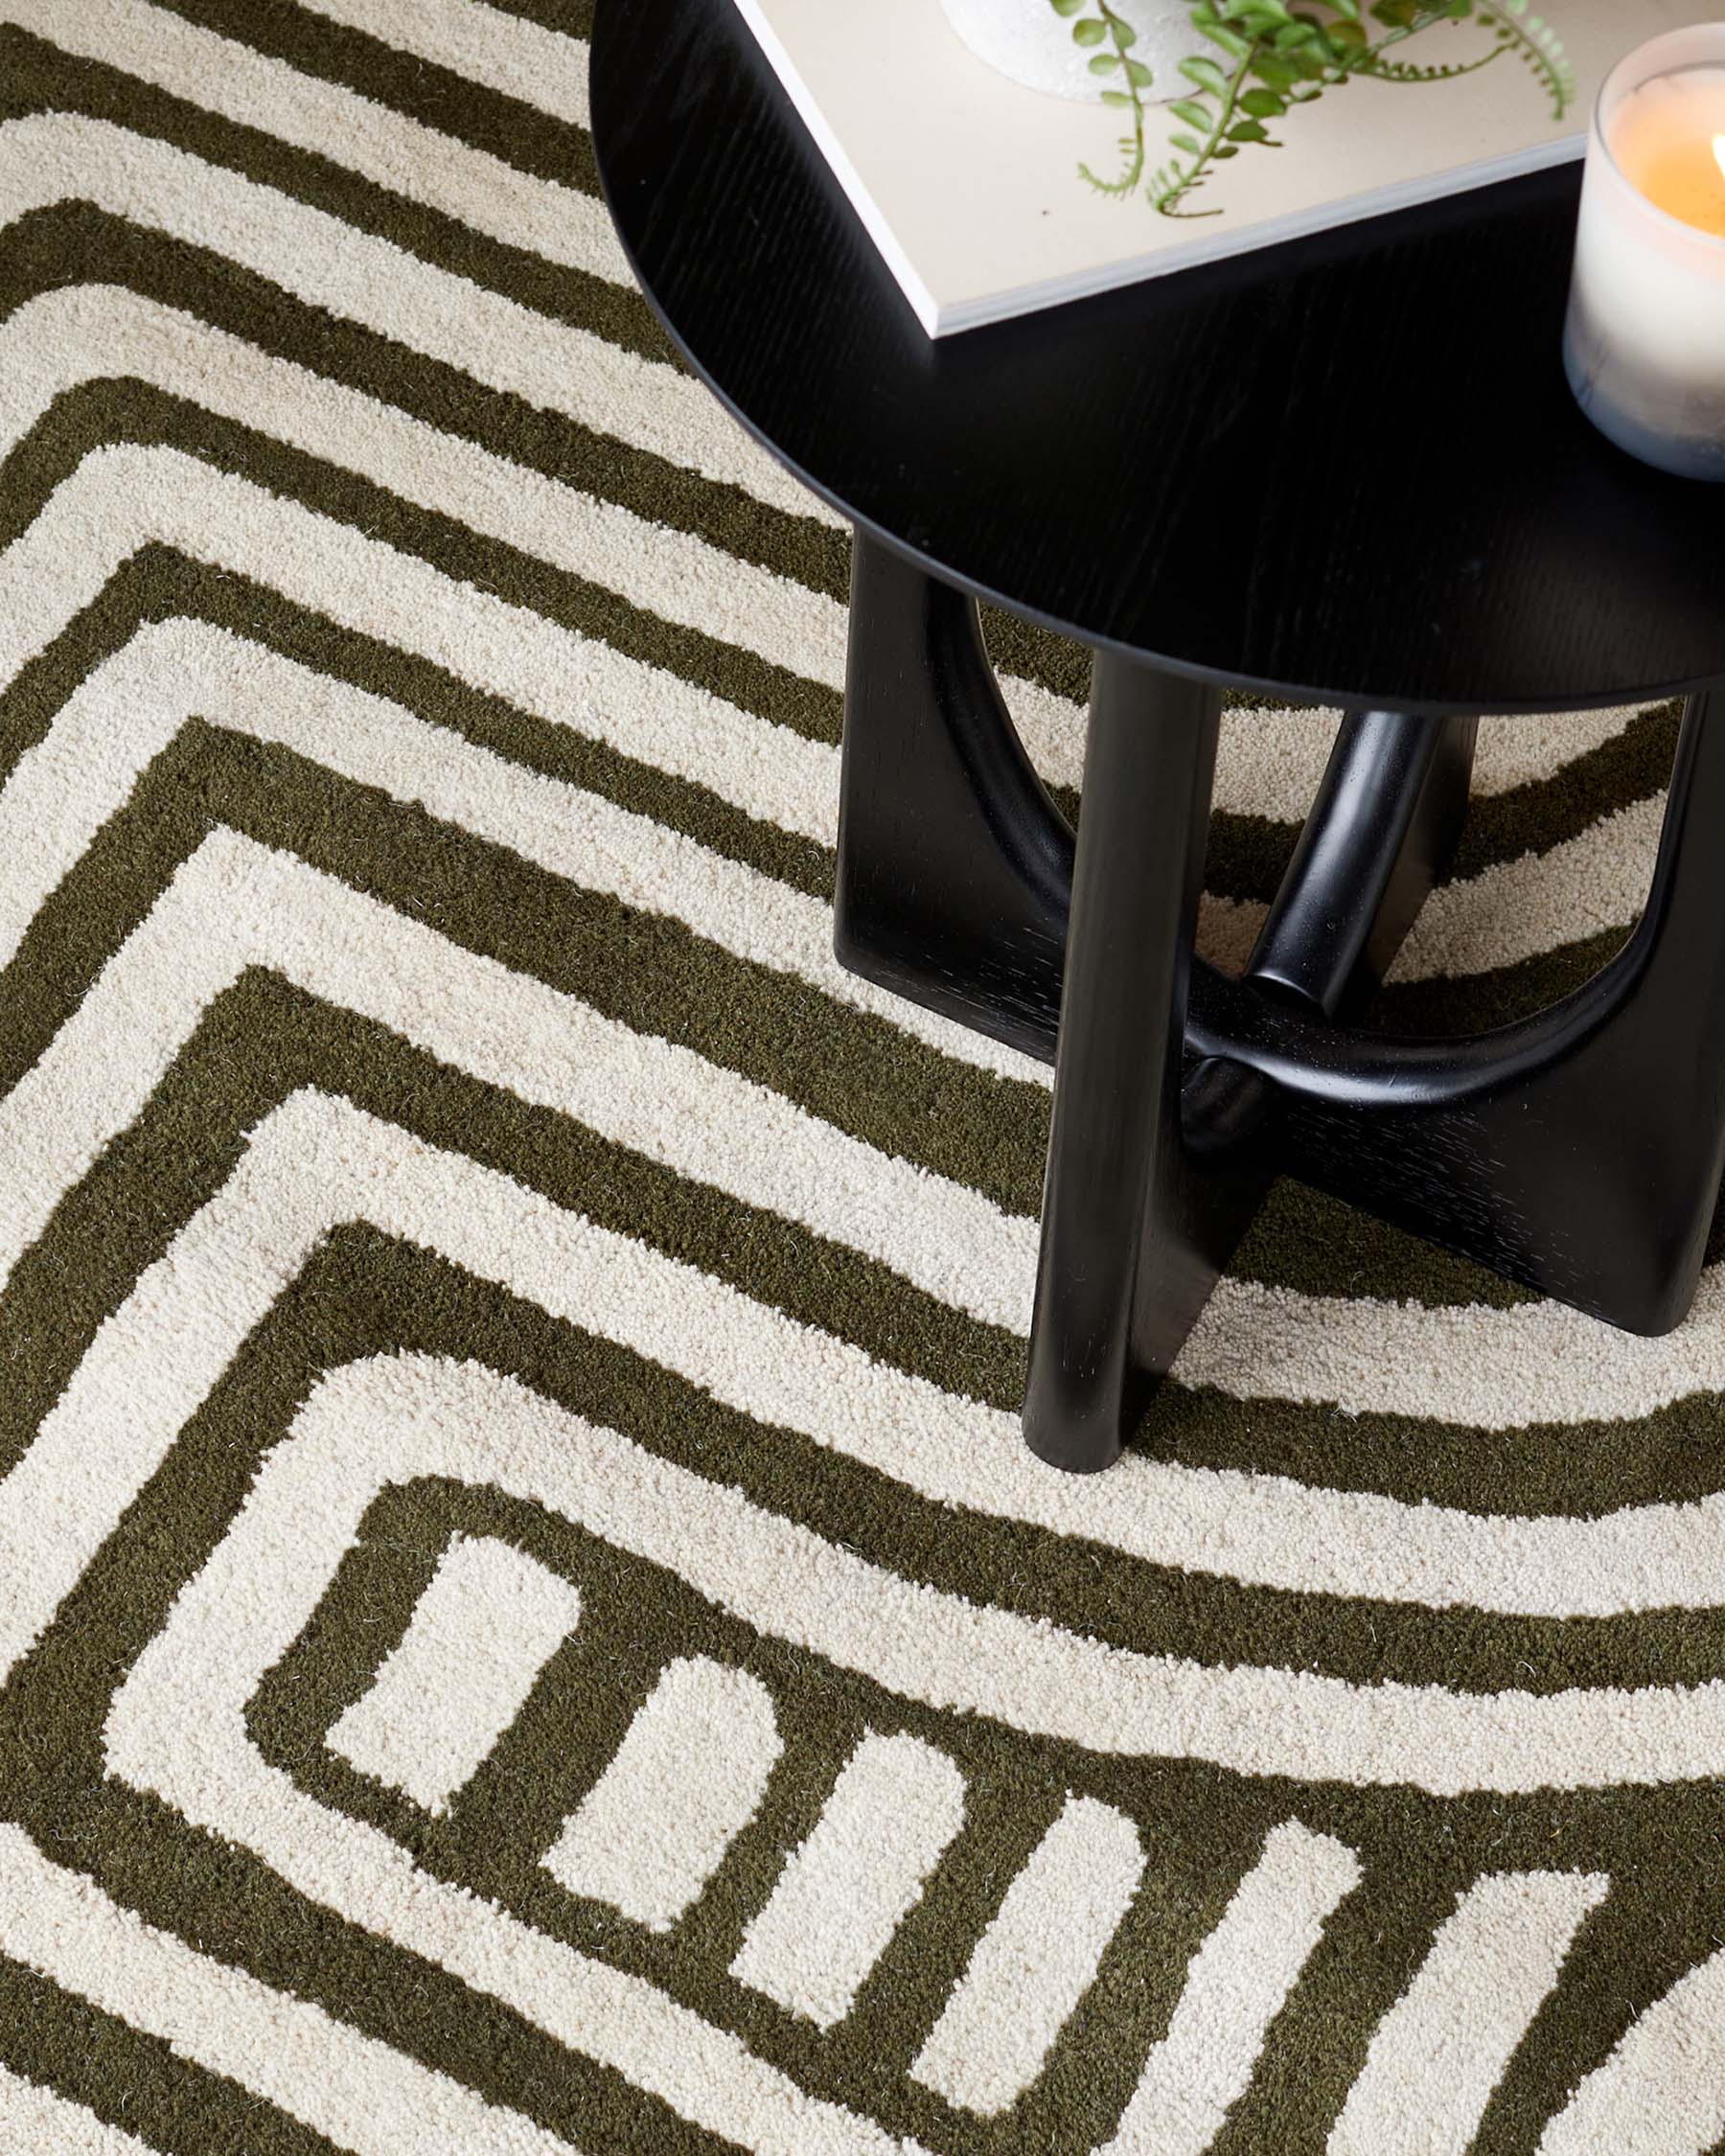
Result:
[[525, 1619]]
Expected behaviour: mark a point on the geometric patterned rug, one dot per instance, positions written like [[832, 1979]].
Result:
[[527, 1620]]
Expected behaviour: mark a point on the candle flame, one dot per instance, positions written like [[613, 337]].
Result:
[[1719, 152]]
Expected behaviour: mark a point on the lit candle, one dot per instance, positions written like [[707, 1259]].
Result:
[[1644, 343]]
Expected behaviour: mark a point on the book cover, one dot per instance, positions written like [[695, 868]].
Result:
[[1166, 133]]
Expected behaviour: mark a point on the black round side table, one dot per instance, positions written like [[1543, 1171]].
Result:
[[1346, 469]]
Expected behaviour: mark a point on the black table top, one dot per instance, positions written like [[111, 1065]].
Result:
[[1349, 467]]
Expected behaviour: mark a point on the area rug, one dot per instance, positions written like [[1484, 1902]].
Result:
[[527, 1625]]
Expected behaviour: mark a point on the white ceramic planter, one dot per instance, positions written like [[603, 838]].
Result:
[[1028, 41]]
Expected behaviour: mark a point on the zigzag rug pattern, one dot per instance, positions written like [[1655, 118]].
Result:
[[525, 1624]]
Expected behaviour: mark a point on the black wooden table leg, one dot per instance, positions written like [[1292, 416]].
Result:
[[954, 866], [1383, 828], [1578, 1151], [954, 878], [1122, 1275]]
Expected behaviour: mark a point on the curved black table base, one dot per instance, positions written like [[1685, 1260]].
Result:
[[1578, 1152]]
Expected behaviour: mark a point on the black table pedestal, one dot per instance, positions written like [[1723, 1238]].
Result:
[[1578, 1152], [1131, 1236]]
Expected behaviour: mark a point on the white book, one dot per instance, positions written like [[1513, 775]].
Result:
[[989, 199]]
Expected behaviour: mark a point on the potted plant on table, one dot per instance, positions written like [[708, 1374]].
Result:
[[1219, 76]]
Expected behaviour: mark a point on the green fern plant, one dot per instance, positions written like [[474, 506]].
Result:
[[1529, 38], [1269, 57], [1537, 45], [1110, 37]]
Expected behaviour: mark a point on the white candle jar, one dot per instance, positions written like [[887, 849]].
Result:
[[1644, 342], [1033, 44]]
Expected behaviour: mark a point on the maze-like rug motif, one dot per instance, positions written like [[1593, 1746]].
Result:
[[526, 1622]]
